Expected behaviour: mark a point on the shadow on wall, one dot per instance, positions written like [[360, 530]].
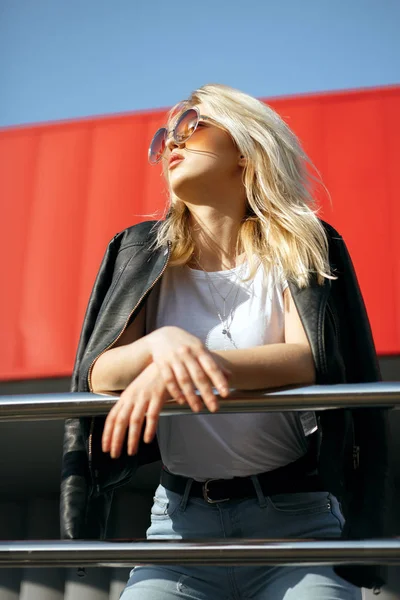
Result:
[[37, 518]]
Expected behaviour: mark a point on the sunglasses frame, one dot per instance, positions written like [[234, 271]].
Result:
[[167, 133]]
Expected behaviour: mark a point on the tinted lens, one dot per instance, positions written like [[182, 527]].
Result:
[[157, 146], [186, 125]]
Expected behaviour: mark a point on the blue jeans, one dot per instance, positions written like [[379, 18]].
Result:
[[300, 515]]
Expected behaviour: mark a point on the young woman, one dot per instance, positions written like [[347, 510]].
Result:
[[240, 286]]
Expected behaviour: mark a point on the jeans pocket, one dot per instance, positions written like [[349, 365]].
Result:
[[165, 504], [301, 503]]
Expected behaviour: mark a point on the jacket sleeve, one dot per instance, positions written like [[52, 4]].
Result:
[[370, 476], [360, 355], [369, 505], [100, 290], [368, 481], [74, 482], [77, 499]]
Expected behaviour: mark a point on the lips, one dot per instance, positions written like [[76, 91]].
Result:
[[174, 160]]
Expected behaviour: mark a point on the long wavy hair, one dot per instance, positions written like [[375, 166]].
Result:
[[281, 227]]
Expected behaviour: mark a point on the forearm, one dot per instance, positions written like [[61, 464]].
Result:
[[273, 365], [117, 368]]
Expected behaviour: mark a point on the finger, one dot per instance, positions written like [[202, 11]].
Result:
[[185, 382], [216, 375], [202, 382], [109, 427], [136, 425], [170, 382], [152, 416], [120, 427]]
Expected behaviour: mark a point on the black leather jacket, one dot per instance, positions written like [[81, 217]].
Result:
[[352, 443]]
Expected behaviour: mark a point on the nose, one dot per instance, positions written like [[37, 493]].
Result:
[[171, 143]]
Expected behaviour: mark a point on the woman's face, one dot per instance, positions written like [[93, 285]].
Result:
[[208, 160]]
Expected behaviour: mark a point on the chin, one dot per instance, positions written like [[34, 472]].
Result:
[[184, 184]]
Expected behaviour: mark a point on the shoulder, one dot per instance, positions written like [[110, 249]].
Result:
[[128, 241], [339, 255], [142, 233], [338, 252], [331, 233]]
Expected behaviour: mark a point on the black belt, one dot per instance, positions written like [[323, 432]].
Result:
[[292, 478]]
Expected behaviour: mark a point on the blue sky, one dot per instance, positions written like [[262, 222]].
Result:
[[61, 60]]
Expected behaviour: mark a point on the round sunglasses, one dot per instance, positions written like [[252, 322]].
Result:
[[184, 128]]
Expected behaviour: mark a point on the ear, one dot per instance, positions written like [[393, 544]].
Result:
[[242, 161]]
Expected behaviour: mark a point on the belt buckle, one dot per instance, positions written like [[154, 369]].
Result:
[[206, 491]]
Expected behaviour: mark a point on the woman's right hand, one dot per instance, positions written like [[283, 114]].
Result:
[[141, 402], [185, 364]]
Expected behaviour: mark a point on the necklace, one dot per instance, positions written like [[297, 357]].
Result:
[[225, 319]]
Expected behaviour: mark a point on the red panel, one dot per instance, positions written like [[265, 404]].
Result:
[[17, 172], [350, 138], [389, 200], [68, 188], [355, 173], [305, 117]]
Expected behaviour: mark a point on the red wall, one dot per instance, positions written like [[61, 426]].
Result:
[[67, 188]]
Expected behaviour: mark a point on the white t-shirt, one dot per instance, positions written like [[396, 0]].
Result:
[[225, 445]]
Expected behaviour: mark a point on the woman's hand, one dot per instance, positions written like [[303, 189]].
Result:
[[143, 398], [185, 364]]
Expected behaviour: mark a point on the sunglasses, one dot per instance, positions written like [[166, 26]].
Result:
[[184, 128]]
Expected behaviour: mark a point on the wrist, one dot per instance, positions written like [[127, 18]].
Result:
[[142, 347], [223, 363]]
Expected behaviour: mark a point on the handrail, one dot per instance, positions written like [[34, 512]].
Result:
[[219, 552], [316, 397]]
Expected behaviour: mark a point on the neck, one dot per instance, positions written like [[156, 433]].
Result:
[[216, 212], [215, 236]]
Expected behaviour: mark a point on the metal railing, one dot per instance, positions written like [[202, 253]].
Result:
[[219, 552], [314, 397]]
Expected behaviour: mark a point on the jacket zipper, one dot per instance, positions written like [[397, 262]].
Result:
[[90, 443], [90, 453]]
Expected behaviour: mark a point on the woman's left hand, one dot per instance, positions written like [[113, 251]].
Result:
[[142, 399], [185, 365]]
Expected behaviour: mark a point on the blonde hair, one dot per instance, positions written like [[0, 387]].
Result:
[[281, 226]]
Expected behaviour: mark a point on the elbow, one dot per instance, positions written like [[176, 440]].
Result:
[[310, 370], [100, 380], [307, 372], [313, 376], [95, 379]]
